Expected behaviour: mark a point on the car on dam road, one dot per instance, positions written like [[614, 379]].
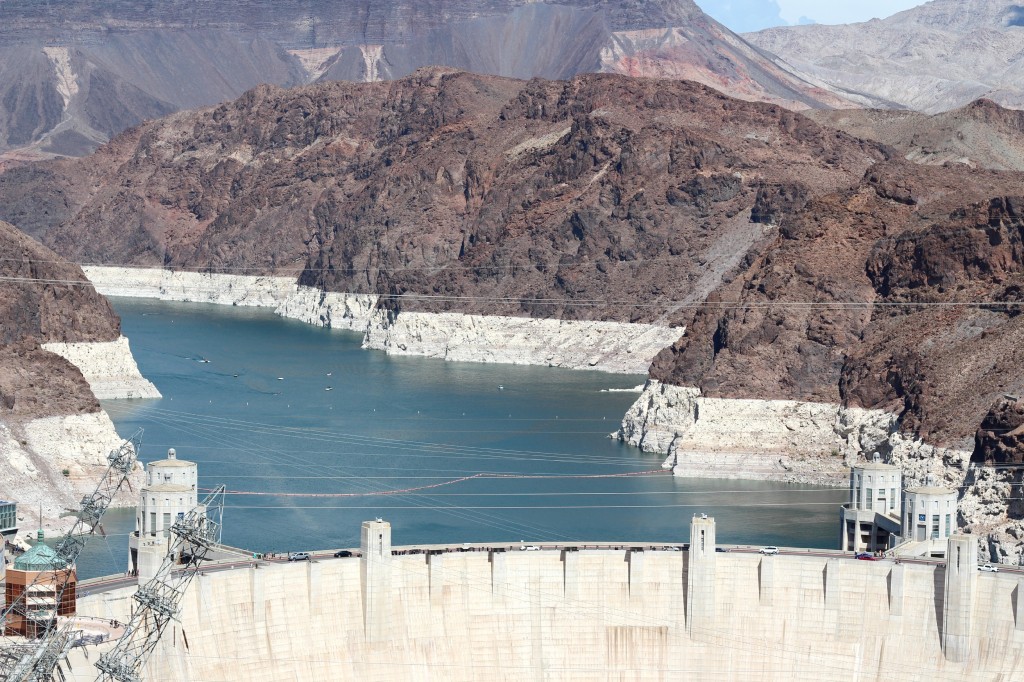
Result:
[[298, 556], [988, 568], [770, 550], [342, 553], [864, 556]]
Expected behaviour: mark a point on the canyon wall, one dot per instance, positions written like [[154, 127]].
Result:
[[605, 346], [52, 463], [815, 442], [109, 368]]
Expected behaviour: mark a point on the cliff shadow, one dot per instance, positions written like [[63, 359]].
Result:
[[686, 587], [1014, 600]]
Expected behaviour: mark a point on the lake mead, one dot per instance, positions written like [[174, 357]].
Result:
[[447, 452]]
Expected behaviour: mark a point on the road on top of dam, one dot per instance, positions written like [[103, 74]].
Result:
[[116, 582]]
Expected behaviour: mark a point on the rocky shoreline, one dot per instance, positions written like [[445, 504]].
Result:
[[52, 462], [109, 367], [618, 347], [816, 443], [700, 436]]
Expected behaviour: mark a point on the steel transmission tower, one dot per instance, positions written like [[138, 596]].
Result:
[[37, 660], [159, 600]]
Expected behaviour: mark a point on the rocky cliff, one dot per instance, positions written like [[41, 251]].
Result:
[[981, 134], [603, 197], [53, 436], [75, 74], [938, 56]]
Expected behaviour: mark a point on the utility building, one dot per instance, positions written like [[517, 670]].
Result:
[[8, 519], [167, 495], [929, 518], [872, 516], [37, 575]]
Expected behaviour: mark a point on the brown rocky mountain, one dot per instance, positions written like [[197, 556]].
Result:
[[981, 134], [808, 264], [900, 294], [74, 74], [45, 299], [602, 188], [938, 56]]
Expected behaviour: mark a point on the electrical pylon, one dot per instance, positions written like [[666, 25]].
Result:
[[159, 600], [37, 660]]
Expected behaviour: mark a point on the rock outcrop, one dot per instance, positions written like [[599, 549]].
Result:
[[108, 367], [573, 344], [53, 436]]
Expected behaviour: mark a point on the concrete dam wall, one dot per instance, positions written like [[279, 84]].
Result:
[[590, 614]]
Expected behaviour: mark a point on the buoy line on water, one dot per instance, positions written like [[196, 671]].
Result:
[[400, 491]]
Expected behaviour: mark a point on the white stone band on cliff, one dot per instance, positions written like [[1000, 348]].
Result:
[[619, 347], [109, 368]]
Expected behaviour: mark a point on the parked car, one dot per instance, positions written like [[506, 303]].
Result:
[[864, 556], [988, 568], [770, 550], [298, 556], [342, 552], [530, 548]]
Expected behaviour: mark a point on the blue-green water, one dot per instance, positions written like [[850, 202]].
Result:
[[245, 396]]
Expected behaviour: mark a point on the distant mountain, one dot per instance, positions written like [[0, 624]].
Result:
[[74, 74], [982, 134], [932, 58]]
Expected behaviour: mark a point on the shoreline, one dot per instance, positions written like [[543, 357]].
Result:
[[35, 454], [616, 347], [701, 437], [815, 443], [109, 367]]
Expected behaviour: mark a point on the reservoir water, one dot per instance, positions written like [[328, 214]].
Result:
[[277, 409]]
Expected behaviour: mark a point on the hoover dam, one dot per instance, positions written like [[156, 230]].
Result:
[[583, 612]]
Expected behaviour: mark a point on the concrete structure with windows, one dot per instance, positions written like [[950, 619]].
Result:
[[872, 518], [929, 518], [8, 519], [168, 494], [37, 576]]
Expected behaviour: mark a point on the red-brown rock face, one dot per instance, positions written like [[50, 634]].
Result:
[[43, 299]]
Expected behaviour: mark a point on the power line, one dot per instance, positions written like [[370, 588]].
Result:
[[691, 305]]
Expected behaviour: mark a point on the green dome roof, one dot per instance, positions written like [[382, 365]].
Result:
[[39, 558]]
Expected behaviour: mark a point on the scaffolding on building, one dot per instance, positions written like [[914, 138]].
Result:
[[38, 660]]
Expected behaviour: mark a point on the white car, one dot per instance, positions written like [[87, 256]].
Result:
[[770, 550], [988, 568]]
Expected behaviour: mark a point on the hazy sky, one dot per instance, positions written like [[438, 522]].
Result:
[[751, 15]]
